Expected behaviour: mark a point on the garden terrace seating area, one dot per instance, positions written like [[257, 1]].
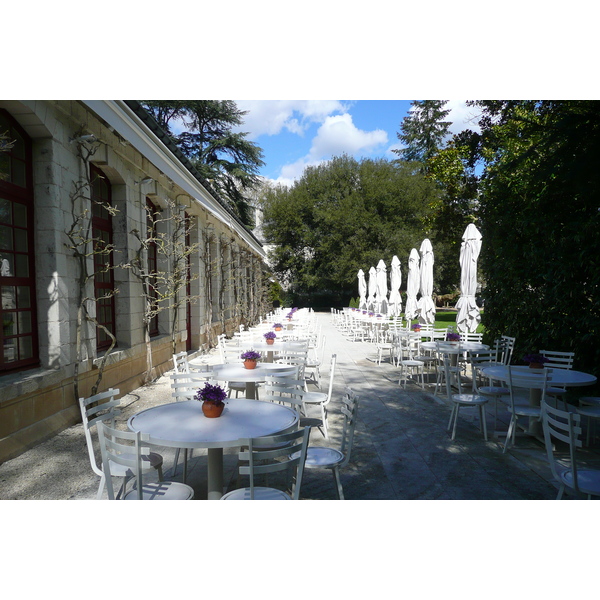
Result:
[[402, 449]]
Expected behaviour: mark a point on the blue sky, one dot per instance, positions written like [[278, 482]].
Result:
[[296, 133]]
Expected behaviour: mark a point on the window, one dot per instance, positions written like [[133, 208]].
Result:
[[18, 333], [104, 282], [151, 214]]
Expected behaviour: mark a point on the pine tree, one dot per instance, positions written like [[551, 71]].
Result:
[[227, 160], [423, 130]]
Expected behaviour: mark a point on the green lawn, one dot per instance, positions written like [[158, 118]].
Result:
[[445, 318]]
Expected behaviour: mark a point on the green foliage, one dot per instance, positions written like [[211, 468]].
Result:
[[541, 226], [423, 130], [342, 216], [227, 160]]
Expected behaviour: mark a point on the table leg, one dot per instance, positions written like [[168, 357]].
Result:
[[269, 356], [215, 473], [251, 390], [535, 399]]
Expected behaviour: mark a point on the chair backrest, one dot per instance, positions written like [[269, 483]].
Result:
[[95, 409], [525, 378], [558, 360], [284, 391], [332, 365], [467, 336], [275, 453], [349, 410], [479, 359], [506, 347], [185, 385], [123, 448], [180, 363], [563, 426]]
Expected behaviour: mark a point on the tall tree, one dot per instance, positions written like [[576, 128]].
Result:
[[226, 159], [342, 216], [423, 130], [541, 225]]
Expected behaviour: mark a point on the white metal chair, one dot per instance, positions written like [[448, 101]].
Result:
[[125, 448], [313, 363], [409, 361], [478, 361], [322, 399], [520, 378], [558, 360], [321, 457], [271, 454], [454, 369], [102, 407], [564, 426], [463, 400]]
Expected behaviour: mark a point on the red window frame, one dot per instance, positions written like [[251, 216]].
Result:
[[18, 314], [104, 279]]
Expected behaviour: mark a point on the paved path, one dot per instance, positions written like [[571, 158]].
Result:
[[402, 449]]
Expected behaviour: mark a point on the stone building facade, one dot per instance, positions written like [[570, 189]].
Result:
[[70, 160]]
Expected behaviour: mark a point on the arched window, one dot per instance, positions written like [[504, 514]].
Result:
[[18, 333], [104, 281], [151, 215]]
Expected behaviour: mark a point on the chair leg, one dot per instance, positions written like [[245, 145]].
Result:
[[176, 461], [338, 484], [482, 418], [509, 433], [455, 421], [101, 487]]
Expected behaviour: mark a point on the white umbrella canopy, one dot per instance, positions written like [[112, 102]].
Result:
[[426, 304], [411, 309], [381, 305], [395, 301], [362, 290], [468, 316], [372, 288]]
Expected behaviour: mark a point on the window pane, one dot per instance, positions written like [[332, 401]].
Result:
[[20, 215], [18, 173], [24, 318], [8, 324], [10, 350], [5, 165], [8, 297], [5, 206], [20, 240], [6, 265], [25, 348], [5, 238], [24, 297], [22, 265], [19, 148]]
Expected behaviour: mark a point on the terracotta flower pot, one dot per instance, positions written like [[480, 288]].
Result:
[[212, 410], [249, 364], [270, 341], [536, 366], [277, 328]]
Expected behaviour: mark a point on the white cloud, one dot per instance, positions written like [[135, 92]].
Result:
[[270, 117], [462, 116], [338, 135]]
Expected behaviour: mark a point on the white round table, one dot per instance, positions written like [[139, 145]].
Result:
[[558, 377], [453, 348], [237, 372], [183, 425]]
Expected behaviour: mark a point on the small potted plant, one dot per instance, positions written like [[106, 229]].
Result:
[[270, 337], [250, 357], [536, 361], [416, 327], [277, 326], [453, 337], [212, 398]]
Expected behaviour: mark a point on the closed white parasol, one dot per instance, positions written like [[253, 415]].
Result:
[[426, 304], [372, 288], [468, 316], [395, 302], [362, 290], [411, 310], [381, 306]]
